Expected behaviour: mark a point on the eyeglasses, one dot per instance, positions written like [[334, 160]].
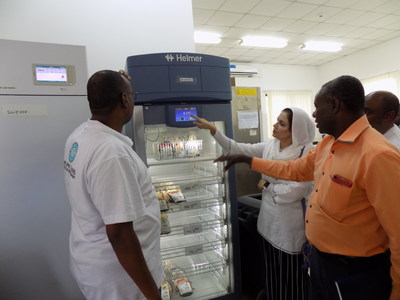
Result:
[[134, 94]]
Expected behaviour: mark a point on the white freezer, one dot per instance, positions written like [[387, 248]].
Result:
[[35, 121]]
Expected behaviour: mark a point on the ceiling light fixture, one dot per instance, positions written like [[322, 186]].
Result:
[[263, 41], [203, 37], [321, 46]]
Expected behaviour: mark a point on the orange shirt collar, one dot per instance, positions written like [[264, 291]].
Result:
[[355, 129]]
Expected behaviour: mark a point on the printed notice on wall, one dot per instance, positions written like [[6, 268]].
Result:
[[247, 119], [24, 110]]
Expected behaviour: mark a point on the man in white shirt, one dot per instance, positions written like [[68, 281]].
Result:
[[381, 109], [115, 217]]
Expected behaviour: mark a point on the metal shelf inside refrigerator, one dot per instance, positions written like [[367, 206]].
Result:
[[193, 244], [207, 273], [196, 221], [155, 162], [202, 263], [201, 171], [204, 287], [196, 195]]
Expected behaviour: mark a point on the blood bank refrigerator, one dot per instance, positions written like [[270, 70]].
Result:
[[199, 229]]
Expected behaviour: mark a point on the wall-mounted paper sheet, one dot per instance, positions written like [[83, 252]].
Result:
[[247, 119]]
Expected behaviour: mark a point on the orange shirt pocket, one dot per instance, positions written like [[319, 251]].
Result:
[[337, 199]]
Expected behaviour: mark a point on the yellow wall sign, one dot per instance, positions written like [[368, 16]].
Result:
[[247, 92]]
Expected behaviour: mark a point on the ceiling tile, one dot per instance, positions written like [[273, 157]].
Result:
[[300, 26], [216, 51], [216, 29], [365, 19], [385, 21], [290, 55], [341, 30], [277, 23], [251, 21], [305, 55], [258, 60], [393, 35], [201, 16], [238, 6], [360, 32], [392, 6], [225, 18], [345, 16], [341, 3], [322, 28], [269, 7], [362, 43], [243, 59], [297, 10], [256, 51], [322, 13], [235, 32], [208, 4], [236, 51], [314, 1], [367, 5], [379, 34], [394, 26]]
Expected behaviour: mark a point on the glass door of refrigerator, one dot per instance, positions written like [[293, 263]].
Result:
[[191, 188]]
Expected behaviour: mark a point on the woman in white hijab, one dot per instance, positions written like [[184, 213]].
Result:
[[281, 217]]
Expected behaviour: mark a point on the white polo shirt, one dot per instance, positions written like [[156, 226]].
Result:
[[393, 135], [108, 183]]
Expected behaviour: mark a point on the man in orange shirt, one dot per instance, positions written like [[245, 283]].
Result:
[[352, 215]]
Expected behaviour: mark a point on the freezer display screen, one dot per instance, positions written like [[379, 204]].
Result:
[[56, 74], [183, 114]]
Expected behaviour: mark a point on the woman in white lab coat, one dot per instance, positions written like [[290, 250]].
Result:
[[281, 217]]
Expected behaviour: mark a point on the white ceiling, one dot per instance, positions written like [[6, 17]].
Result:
[[358, 24]]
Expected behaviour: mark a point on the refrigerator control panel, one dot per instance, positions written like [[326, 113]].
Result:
[[180, 115]]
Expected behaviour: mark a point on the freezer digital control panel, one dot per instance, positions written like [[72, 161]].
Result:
[[46, 74]]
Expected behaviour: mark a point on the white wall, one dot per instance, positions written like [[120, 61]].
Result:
[[370, 62], [110, 30], [281, 78]]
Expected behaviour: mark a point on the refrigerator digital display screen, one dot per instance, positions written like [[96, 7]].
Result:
[[51, 74], [183, 114]]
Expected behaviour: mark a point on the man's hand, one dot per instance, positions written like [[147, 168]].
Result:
[[126, 75], [261, 184], [126, 245], [234, 159]]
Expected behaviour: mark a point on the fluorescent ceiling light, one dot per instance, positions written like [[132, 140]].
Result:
[[263, 41], [203, 37], [321, 46]]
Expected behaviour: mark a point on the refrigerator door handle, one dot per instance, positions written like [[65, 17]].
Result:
[[139, 143]]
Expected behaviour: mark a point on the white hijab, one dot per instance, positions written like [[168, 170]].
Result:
[[303, 133]]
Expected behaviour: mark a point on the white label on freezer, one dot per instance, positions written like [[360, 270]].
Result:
[[193, 250], [24, 109], [192, 229]]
